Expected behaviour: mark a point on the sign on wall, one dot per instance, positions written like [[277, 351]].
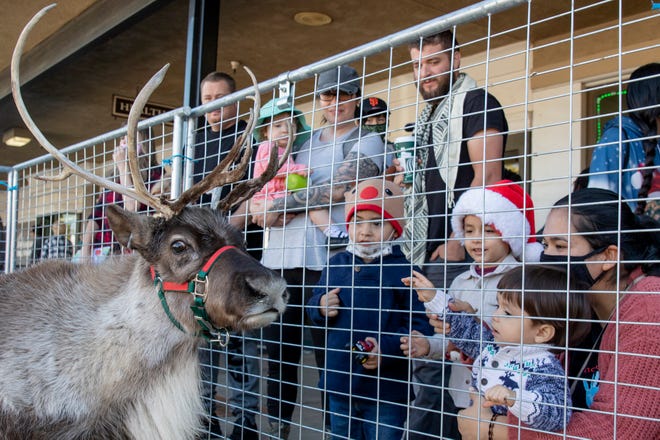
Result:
[[121, 106]]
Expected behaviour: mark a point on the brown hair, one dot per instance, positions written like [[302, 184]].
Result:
[[220, 76], [445, 38], [549, 293], [643, 93]]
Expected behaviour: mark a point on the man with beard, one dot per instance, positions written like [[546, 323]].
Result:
[[461, 133]]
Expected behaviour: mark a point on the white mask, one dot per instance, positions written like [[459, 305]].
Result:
[[370, 251]]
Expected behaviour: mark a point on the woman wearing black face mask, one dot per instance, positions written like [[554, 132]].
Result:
[[617, 254]]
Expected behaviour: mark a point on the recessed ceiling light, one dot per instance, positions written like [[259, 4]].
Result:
[[312, 18], [16, 137]]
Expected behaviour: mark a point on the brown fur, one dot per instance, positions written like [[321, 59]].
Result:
[[87, 352]]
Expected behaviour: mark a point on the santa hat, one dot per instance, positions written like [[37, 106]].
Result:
[[378, 195], [508, 208]]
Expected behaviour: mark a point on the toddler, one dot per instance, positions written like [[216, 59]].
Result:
[[273, 128], [495, 224], [517, 369]]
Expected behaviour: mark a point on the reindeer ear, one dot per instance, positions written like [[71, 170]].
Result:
[[131, 229]]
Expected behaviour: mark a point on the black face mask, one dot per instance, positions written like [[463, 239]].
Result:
[[578, 268]]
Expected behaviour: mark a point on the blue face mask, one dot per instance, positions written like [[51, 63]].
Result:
[[577, 266]]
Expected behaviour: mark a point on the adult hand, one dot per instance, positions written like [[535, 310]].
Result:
[[473, 421], [416, 345], [262, 214], [373, 360], [397, 173], [330, 303], [452, 250], [439, 326]]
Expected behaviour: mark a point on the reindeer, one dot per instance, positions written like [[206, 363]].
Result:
[[110, 351]]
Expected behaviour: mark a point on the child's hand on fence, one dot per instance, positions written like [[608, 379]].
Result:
[[416, 345], [119, 157], [424, 287], [373, 360], [330, 303], [499, 395]]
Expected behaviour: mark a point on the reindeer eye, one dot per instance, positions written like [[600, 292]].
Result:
[[178, 247]]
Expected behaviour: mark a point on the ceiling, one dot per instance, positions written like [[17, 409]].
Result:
[[85, 51]]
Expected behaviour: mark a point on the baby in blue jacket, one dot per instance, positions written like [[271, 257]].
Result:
[[362, 302]]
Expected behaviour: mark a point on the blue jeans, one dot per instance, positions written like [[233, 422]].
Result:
[[361, 419], [243, 373]]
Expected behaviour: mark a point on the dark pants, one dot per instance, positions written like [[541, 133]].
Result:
[[243, 373], [433, 413], [284, 340]]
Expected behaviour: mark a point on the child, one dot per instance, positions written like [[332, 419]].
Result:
[[57, 245], [361, 299], [493, 223], [272, 127], [530, 321]]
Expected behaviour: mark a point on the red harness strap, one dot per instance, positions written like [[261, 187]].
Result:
[[169, 286]]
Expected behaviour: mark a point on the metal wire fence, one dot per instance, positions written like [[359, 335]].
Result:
[[558, 90]]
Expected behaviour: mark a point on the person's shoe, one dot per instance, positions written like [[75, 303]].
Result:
[[244, 429], [279, 430]]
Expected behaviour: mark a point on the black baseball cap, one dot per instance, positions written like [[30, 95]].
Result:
[[372, 106]]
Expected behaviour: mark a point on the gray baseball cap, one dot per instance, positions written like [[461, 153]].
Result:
[[346, 79]]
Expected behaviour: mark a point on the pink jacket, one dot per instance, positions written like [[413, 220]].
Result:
[[629, 364], [276, 188]]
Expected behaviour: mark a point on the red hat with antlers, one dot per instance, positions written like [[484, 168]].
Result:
[[381, 196]]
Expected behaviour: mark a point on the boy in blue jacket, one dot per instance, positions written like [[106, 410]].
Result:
[[364, 305]]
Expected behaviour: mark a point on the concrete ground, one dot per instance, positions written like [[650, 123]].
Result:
[[307, 422]]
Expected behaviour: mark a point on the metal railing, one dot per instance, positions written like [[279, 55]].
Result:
[[550, 140]]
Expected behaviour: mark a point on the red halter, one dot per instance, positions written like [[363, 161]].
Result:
[[169, 286]]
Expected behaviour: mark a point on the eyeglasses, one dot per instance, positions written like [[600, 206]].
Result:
[[329, 95]]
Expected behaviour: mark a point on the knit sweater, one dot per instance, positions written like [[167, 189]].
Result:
[[629, 362], [373, 302], [532, 371], [481, 292]]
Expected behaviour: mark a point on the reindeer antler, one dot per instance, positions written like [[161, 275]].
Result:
[[139, 193], [223, 175]]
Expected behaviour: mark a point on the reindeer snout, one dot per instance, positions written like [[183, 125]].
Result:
[[272, 290], [271, 303]]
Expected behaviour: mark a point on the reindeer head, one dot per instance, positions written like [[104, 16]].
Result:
[[180, 240], [239, 292]]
